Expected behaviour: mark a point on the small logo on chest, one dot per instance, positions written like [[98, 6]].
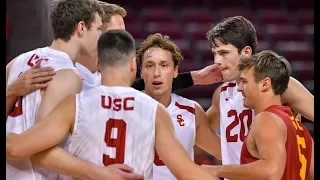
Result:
[[180, 120]]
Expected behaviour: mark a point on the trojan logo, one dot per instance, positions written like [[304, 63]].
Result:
[[180, 120]]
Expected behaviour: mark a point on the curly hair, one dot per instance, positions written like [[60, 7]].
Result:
[[163, 42]]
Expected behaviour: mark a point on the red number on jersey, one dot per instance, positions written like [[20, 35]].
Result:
[[157, 161], [242, 133], [16, 110], [117, 142]]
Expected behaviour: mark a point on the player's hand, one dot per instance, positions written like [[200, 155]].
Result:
[[208, 75], [117, 172], [31, 80]]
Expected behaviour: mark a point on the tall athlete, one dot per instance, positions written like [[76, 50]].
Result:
[[107, 123], [159, 58], [278, 146], [77, 31], [231, 39]]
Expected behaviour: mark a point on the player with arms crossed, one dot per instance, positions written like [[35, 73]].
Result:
[[76, 32], [278, 146], [126, 124], [231, 39], [159, 58]]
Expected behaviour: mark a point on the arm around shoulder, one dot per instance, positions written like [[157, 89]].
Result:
[[299, 99]]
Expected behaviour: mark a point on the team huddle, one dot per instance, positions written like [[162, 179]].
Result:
[[76, 111]]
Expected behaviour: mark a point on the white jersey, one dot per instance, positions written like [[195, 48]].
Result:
[[235, 121], [89, 79], [23, 115], [115, 125], [182, 112]]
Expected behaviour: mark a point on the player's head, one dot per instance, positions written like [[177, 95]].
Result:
[[77, 20], [116, 50], [159, 59], [113, 16], [263, 75], [229, 40]]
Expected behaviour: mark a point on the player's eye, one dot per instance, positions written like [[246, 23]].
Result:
[[164, 65], [149, 65]]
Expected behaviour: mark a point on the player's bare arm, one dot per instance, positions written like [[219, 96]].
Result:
[[299, 99], [31, 80], [206, 138], [44, 134], [213, 113], [177, 160], [269, 136], [58, 160], [65, 83]]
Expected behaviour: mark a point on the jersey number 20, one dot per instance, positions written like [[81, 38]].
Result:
[[117, 142], [235, 122]]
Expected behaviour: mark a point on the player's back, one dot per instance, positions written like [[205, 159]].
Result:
[[298, 145], [115, 125], [23, 114], [235, 121], [182, 112]]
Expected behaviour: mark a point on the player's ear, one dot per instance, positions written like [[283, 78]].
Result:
[[246, 51], [266, 84], [81, 27], [175, 75], [133, 64]]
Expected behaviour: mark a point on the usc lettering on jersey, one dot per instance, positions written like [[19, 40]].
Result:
[[115, 125]]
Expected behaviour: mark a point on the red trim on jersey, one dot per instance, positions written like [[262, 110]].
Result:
[[224, 88], [188, 108]]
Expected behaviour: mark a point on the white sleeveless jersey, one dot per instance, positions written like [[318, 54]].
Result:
[[89, 79], [182, 112], [235, 121], [115, 125], [23, 115]]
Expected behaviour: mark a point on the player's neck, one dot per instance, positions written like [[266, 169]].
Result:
[[164, 99], [68, 47], [266, 102], [115, 78]]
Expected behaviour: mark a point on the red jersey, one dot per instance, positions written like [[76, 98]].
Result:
[[298, 146]]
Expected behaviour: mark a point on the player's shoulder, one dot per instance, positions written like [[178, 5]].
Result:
[[228, 86], [267, 118], [180, 99], [183, 103]]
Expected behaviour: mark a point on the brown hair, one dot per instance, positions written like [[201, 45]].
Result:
[[111, 9], [66, 14], [269, 64], [163, 42], [237, 31]]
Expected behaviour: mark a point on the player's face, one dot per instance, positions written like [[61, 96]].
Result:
[[91, 36], [227, 57], [249, 88], [158, 71], [116, 22]]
